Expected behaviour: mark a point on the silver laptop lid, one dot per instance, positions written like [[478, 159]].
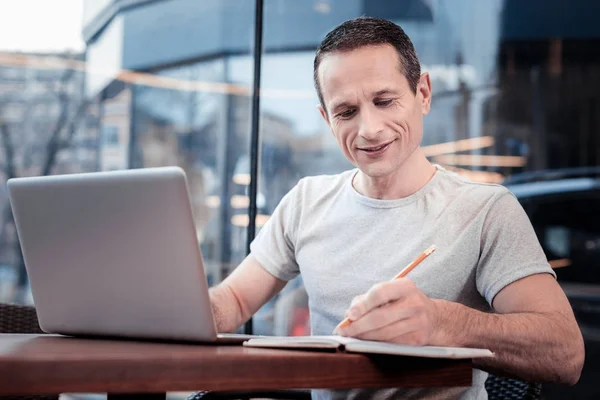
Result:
[[113, 253]]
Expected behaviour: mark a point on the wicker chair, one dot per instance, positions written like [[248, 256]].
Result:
[[20, 319], [500, 388]]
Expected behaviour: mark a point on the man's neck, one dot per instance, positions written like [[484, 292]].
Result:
[[407, 180]]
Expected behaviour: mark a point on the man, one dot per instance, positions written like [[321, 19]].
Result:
[[487, 285]]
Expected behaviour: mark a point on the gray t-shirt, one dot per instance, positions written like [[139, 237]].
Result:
[[343, 243]]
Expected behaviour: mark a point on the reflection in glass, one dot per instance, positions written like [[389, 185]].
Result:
[[204, 131], [46, 128]]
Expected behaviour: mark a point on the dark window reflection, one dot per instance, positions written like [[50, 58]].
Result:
[[569, 231]]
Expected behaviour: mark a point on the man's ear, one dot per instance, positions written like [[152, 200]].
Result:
[[324, 115], [424, 92]]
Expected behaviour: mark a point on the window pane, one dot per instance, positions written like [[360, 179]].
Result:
[[159, 91], [47, 127], [568, 226], [196, 115]]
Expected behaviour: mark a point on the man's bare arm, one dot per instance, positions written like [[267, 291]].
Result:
[[242, 293], [534, 335]]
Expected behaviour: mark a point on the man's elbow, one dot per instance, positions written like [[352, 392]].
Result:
[[571, 371]]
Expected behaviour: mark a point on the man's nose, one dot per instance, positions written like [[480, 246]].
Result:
[[371, 124]]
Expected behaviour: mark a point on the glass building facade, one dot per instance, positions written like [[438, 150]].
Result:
[[516, 101]]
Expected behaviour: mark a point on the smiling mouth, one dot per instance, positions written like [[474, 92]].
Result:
[[375, 149]]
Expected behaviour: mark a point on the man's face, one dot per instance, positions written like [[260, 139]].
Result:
[[370, 108]]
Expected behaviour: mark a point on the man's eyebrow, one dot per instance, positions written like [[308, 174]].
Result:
[[384, 92], [344, 104]]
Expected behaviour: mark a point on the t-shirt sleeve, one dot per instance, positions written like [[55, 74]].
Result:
[[510, 249], [274, 245]]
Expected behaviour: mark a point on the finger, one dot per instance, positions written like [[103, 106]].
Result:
[[355, 300], [358, 299], [378, 318], [380, 294]]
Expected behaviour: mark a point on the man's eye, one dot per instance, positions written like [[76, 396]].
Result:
[[383, 103], [347, 113]]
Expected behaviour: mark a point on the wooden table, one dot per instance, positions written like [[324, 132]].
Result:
[[45, 364]]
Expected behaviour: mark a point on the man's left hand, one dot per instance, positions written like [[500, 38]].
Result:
[[395, 311]]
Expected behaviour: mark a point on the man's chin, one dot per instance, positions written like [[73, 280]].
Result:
[[375, 171]]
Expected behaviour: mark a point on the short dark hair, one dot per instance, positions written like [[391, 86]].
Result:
[[369, 31]]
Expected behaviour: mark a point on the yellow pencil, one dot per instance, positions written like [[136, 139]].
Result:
[[400, 274]]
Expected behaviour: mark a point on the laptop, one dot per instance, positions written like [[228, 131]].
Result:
[[115, 254]]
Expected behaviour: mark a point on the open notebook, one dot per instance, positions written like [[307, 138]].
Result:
[[350, 345]]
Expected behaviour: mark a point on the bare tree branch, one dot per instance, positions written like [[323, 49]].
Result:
[[53, 145], [74, 125], [59, 137], [9, 151], [9, 171]]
